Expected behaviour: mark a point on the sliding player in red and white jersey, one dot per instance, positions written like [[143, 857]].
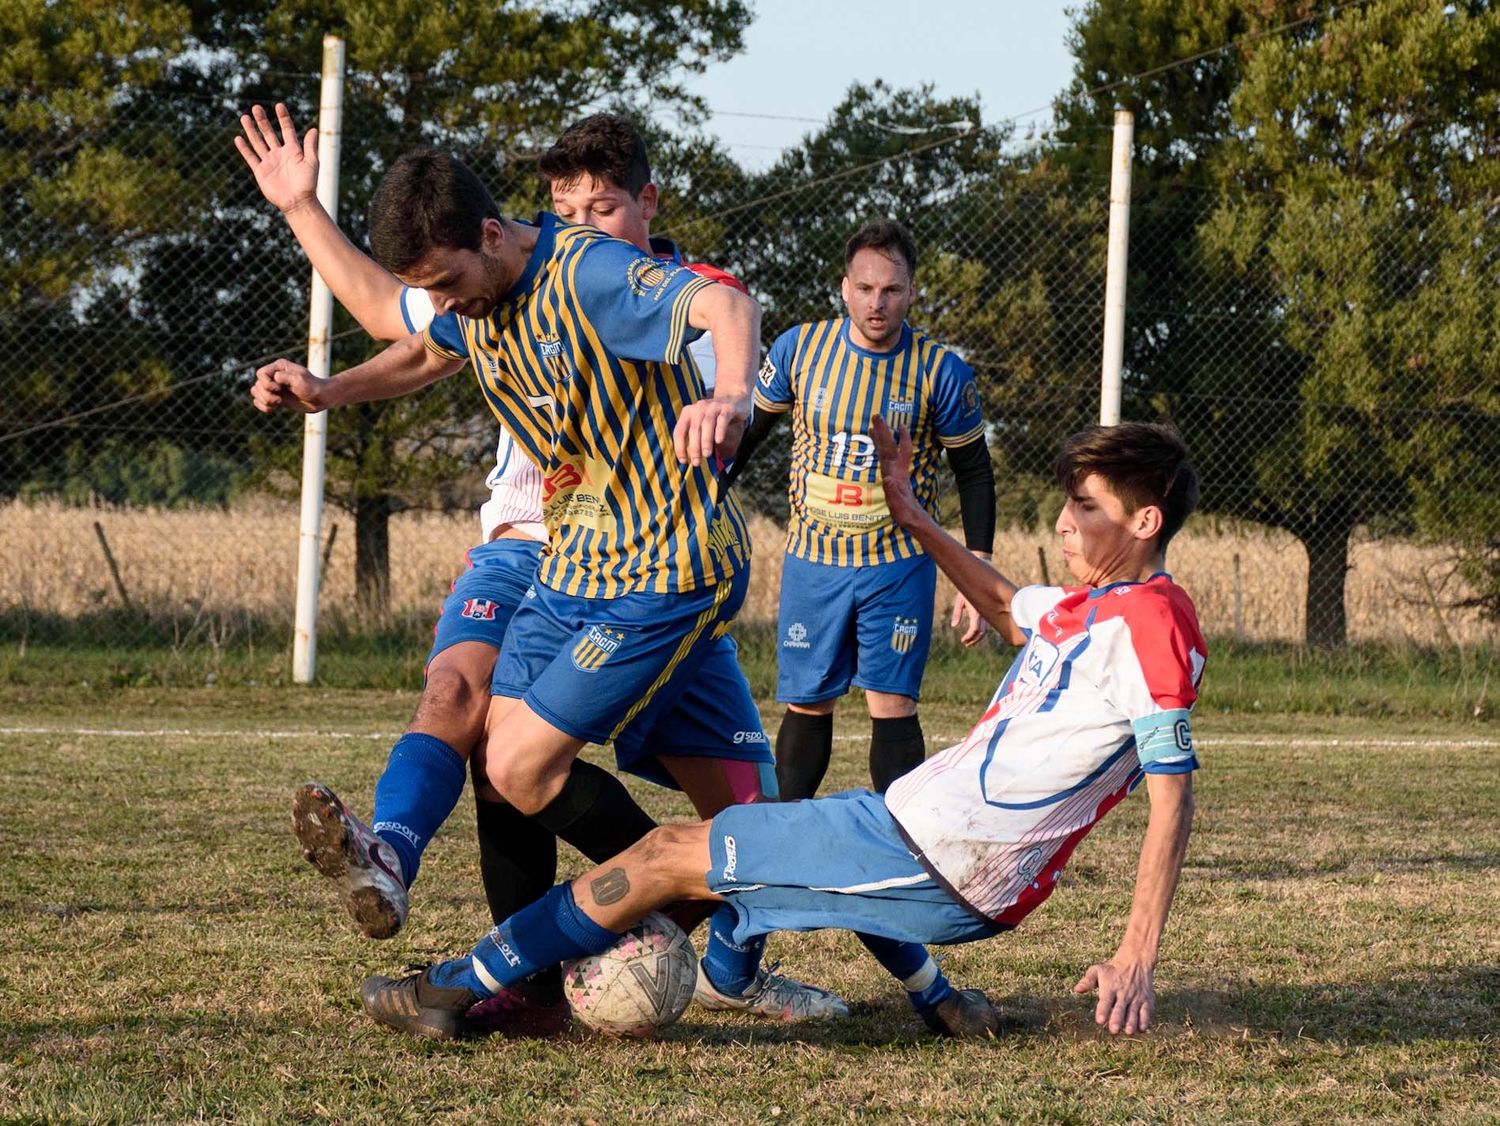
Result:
[[972, 840]]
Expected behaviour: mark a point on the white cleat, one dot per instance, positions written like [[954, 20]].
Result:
[[774, 996], [364, 868]]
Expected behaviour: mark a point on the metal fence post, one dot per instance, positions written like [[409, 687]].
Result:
[[320, 320], [1114, 277]]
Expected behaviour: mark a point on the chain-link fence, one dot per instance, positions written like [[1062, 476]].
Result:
[[1342, 418]]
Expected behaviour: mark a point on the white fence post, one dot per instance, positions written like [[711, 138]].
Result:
[[1114, 277], [319, 321]]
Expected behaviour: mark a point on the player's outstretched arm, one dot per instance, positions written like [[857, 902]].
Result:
[[985, 588], [286, 171], [713, 427], [406, 366], [1127, 993]]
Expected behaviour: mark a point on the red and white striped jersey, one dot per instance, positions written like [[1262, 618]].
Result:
[[1100, 693], [515, 483]]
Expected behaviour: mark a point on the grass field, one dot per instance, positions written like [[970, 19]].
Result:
[[1334, 955]]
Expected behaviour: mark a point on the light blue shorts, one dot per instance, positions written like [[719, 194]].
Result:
[[837, 862]]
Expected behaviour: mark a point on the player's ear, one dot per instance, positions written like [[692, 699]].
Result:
[[1146, 522], [649, 200], [844, 288], [492, 236]]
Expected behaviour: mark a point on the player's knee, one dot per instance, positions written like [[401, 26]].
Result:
[[454, 699], [520, 784], [675, 855]]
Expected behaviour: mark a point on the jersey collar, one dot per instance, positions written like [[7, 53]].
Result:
[[666, 249], [546, 236], [900, 344], [1101, 591]]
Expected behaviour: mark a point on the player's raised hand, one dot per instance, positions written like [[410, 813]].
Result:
[[286, 170], [894, 452], [710, 428], [1126, 995], [283, 385]]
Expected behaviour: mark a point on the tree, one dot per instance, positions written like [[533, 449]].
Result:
[[1314, 195], [116, 127]]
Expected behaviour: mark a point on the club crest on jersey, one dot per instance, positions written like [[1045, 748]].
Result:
[[597, 646], [900, 413], [647, 276], [767, 374], [904, 635], [480, 609], [550, 351], [971, 397]]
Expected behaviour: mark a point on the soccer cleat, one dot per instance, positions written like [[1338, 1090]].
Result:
[[965, 1014], [774, 996], [522, 1011], [414, 1005], [363, 867]]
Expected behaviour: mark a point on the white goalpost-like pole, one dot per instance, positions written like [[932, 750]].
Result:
[[1114, 276], [319, 322]]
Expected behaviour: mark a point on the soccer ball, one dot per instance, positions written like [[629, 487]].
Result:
[[641, 983]]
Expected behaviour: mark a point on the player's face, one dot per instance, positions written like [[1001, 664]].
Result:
[[878, 291], [607, 206], [1101, 543], [467, 282]]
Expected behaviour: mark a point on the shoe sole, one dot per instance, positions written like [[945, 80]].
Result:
[[320, 823]]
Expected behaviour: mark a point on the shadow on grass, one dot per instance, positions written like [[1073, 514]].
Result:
[[1458, 1004]]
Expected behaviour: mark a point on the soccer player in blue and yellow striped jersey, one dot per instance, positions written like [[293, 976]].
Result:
[[857, 591], [579, 343]]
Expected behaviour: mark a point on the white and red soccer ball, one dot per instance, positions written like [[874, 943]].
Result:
[[640, 984]]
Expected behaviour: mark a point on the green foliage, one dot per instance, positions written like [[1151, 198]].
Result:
[[157, 474], [1325, 194]]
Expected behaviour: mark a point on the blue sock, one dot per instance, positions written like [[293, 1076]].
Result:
[[911, 965], [421, 784], [537, 936], [730, 966]]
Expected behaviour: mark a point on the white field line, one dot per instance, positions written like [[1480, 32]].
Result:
[[935, 739]]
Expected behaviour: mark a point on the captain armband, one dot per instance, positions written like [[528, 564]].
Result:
[[1164, 742]]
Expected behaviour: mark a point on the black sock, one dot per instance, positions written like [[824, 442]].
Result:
[[595, 814], [518, 863], [803, 747], [896, 746]]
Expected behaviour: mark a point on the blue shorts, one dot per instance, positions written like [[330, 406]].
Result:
[[656, 674], [869, 626], [836, 862], [485, 596]]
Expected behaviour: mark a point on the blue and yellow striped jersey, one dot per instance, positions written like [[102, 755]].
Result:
[[834, 388], [584, 362]]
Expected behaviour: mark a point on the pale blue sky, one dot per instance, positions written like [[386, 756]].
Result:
[[801, 56]]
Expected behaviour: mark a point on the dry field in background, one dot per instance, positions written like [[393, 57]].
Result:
[[244, 561]]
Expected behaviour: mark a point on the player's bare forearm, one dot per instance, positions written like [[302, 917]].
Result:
[[358, 282], [1126, 983], [712, 428], [406, 366], [1162, 854], [733, 319], [986, 589]]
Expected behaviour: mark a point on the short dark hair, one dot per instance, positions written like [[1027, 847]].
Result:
[[606, 146], [887, 236], [427, 201], [1144, 463]]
